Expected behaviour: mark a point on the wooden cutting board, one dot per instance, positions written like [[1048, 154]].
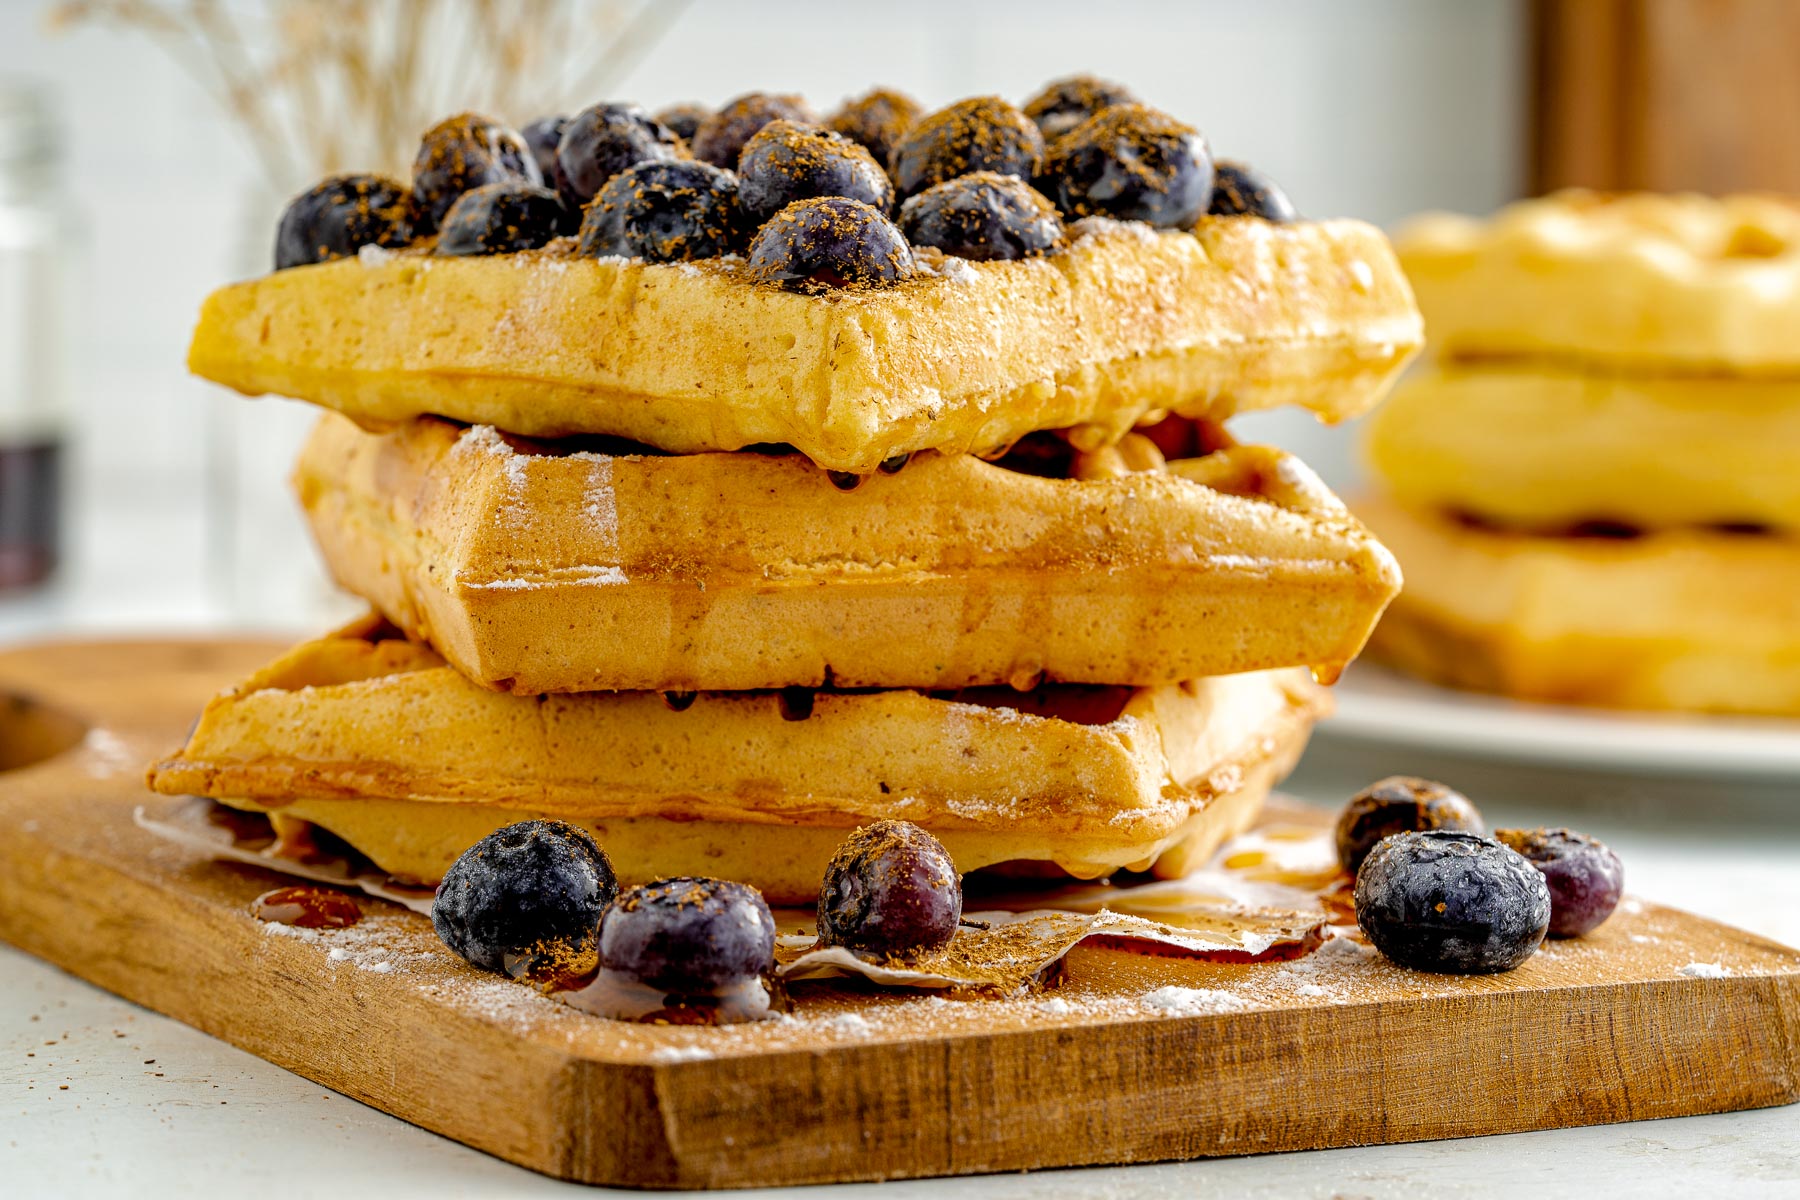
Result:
[[1659, 1014]]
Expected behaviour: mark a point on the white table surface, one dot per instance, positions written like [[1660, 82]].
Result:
[[102, 1098]]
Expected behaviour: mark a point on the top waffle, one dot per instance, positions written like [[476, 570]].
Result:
[[1235, 316], [793, 300], [1682, 282]]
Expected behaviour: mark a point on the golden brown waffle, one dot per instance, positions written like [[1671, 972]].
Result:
[[1634, 283], [1240, 314], [1540, 447], [534, 569], [1690, 620], [376, 739]]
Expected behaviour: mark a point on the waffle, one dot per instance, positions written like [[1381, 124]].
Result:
[[1535, 446], [534, 569], [742, 785], [1634, 283], [1690, 620], [1239, 315]]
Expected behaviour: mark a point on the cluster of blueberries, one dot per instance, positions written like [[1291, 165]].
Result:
[[1434, 893], [812, 204], [539, 900]]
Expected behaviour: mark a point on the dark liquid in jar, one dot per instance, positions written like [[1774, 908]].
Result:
[[30, 510]]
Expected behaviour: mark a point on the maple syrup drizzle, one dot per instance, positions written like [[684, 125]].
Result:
[[307, 908], [1026, 679], [796, 703]]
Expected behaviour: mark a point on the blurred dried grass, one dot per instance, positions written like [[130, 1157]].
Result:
[[320, 86]]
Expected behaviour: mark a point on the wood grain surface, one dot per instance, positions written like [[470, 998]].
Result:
[[1658, 1014]]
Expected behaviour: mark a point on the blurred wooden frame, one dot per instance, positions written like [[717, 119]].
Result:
[[1668, 95]]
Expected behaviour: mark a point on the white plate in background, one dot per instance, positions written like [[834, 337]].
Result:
[[1381, 707]]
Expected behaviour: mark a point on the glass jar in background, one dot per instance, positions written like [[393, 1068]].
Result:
[[33, 366]]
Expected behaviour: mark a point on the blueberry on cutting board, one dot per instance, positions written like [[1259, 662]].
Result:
[[889, 889], [1399, 804], [1451, 902], [1586, 878], [529, 892], [689, 934]]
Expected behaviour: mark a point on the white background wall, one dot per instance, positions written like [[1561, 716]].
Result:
[[1372, 108]]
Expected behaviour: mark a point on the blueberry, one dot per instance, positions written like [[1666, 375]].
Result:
[[983, 216], [664, 212], [527, 895], [1132, 163], [982, 134], [831, 242], [1400, 804], [1243, 191], [1443, 900], [682, 120], [462, 152], [1065, 103], [1585, 876], [721, 137], [786, 162], [543, 136], [878, 120], [688, 935], [603, 140], [499, 218], [339, 217], [889, 889]]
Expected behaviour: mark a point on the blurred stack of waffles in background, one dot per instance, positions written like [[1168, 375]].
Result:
[[1592, 487]]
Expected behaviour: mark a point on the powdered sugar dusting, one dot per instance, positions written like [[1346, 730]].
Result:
[[672, 1054], [600, 576], [1089, 229], [945, 266], [376, 944], [481, 439], [600, 506], [1705, 970], [485, 439], [501, 1001], [1193, 1000], [503, 585], [107, 756]]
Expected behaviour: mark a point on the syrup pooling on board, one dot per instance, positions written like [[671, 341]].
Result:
[[306, 907]]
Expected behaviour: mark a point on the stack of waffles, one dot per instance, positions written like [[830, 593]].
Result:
[[1592, 490], [720, 571]]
